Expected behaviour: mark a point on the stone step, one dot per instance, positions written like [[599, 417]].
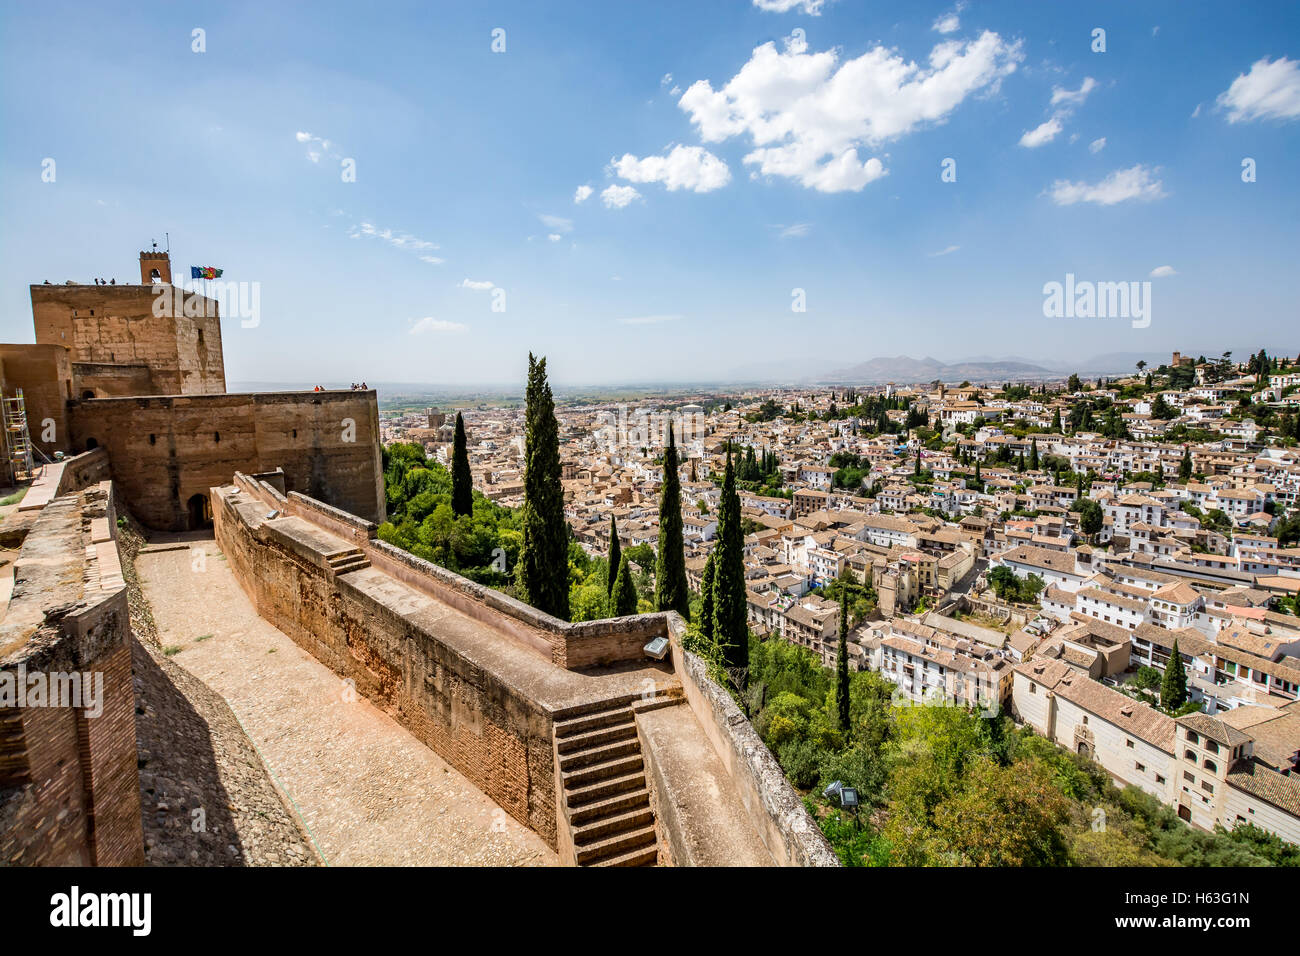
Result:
[[615, 845], [579, 797], [356, 564], [641, 856], [600, 753], [627, 800], [590, 721], [597, 830], [561, 714], [618, 767], [601, 735]]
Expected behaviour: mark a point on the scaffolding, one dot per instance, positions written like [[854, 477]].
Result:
[[18, 442]]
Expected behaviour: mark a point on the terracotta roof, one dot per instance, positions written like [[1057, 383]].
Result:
[[1252, 777]]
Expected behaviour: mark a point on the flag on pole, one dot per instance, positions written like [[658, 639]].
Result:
[[204, 272]]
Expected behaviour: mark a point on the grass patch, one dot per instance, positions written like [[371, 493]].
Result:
[[13, 499], [202, 637], [171, 649]]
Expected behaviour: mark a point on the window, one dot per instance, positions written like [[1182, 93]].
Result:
[[1140, 768], [1187, 775], [1211, 746], [1128, 744], [1191, 736], [1190, 755], [1211, 766]]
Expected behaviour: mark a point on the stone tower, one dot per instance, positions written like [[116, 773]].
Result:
[[155, 266]]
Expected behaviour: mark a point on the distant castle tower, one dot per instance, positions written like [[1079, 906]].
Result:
[[155, 267]]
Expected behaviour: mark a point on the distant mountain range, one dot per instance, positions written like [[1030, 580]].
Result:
[[904, 369]]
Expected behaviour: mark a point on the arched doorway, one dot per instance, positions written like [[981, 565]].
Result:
[[1084, 749], [200, 512], [91, 444]]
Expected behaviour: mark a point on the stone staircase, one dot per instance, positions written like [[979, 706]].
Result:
[[602, 777], [349, 559]]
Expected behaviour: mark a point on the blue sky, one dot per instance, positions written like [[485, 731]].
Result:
[[762, 161]]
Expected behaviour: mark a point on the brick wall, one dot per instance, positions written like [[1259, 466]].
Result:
[[165, 450], [69, 785], [492, 731]]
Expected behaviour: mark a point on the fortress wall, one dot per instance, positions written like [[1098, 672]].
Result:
[[483, 722], [69, 785], [573, 646], [773, 806], [45, 376], [166, 449], [117, 325]]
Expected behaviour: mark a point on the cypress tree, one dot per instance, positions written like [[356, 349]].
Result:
[[671, 591], [916, 469], [1173, 686], [615, 552], [1033, 454], [544, 557], [706, 598], [730, 610], [624, 600], [842, 661], [462, 484], [1185, 466]]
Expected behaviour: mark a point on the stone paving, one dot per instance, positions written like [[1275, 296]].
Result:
[[368, 791]]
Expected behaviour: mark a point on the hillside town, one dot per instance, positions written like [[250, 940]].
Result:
[[1041, 549]]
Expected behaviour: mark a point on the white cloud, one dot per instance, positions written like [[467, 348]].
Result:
[[796, 231], [398, 240], [948, 23], [649, 319], [1097, 145], [1159, 272], [554, 237], [616, 197], [558, 223], [1137, 182], [1271, 90], [317, 147], [812, 8], [441, 326], [477, 286], [808, 114], [1064, 102], [582, 194], [944, 252], [685, 167], [1073, 97], [666, 80], [1043, 133]]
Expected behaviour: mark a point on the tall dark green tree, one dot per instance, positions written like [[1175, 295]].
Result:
[[1173, 687], [544, 557], [842, 663], [706, 597], [730, 606], [615, 552], [462, 483], [671, 590], [623, 602], [1185, 466], [1033, 454]]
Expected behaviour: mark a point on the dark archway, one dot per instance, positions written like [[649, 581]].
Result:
[[1084, 749], [200, 512], [91, 444], [88, 393]]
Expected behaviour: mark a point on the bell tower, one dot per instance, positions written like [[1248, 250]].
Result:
[[155, 267]]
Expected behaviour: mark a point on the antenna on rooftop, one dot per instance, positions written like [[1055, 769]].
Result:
[[168, 237]]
